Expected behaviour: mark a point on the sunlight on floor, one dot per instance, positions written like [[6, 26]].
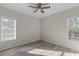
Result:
[[45, 52], [51, 52], [71, 54]]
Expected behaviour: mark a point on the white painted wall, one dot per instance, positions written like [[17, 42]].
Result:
[[28, 28], [53, 28]]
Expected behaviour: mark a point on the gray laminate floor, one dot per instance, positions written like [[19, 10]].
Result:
[[39, 48]]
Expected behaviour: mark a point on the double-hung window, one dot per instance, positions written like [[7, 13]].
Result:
[[8, 29]]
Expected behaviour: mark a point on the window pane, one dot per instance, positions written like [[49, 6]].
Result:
[[8, 29], [73, 28]]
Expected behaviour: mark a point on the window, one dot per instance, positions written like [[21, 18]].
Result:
[[8, 29], [73, 28]]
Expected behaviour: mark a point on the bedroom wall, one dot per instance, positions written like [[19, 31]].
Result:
[[53, 28], [28, 28]]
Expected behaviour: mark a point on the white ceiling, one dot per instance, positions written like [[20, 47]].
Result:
[[55, 7]]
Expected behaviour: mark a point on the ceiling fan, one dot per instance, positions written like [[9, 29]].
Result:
[[39, 6]]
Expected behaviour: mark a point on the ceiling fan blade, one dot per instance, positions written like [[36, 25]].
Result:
[[32, 6], [42, 11], [33, 3], [46, 7], [44, 4], [35, 11]]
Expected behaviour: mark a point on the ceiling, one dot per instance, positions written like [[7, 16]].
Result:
[[55, 8]]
